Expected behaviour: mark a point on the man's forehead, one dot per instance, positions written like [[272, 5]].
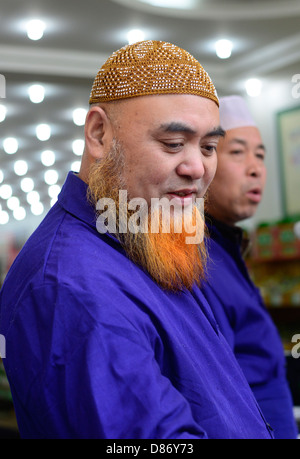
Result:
[[244, 136], [246, 132], [170, 109]]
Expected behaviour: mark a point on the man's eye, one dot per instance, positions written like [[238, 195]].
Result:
[[210, 148], [236, 152], [173, 146]]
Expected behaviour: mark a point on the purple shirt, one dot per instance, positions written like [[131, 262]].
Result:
[[96, 349], [246, 324]]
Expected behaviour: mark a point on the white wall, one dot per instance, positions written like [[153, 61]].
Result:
[[274, 98]]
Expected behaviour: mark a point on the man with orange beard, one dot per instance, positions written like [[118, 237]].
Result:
[[107, 333]]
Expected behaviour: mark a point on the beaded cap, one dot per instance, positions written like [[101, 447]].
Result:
[[149, 68]]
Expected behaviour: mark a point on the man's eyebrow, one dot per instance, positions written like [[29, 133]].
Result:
[[237, 140], [177, 127], [216, 132], [243, 142], [261, 146], [181, 127]]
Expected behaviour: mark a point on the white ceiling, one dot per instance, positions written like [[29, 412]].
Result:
[[79, 37]]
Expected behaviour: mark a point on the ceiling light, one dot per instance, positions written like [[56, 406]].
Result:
[[253, 87], [19, 213], [5, 191], [35, 29], [20, 167], [1, 176], [75, 166], [43, 132], [223, 48], [37, 208], [53, 201], [36, 93], [2, 113], [54, 191], [32, 197], [10, 145], [135, 35], [13, 203], [4, 217], [27, 184], [77, 147], [79, 115], [51, 177], [48, 158], [179, 4]]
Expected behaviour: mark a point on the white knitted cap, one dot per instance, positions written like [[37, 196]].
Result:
[[234, 113]]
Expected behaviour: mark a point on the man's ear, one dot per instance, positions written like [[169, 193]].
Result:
[[98, 132]]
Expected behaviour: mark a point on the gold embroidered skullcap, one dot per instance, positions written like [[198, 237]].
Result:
[[149, 68]]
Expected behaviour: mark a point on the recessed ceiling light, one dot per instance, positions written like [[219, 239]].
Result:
[[53, 201], [32, 197], [223, 48], [5, 191], [10, 145], [51, 177], [43, 132], [27, 184], [77, 147], [253, 87], [179, 4], [2, 113], [36, 93], [37, 208], [48, 158], [35, 29], [13, 203], [79, 115], [4, 217], [20, 167], [53, 191], [135, 35], [19, 213], [75, 166]]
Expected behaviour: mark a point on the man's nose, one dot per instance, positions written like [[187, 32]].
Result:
[[192, 165], [255, 166]]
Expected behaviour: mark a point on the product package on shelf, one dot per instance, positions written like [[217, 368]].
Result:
[[274, 262], [279, 240]]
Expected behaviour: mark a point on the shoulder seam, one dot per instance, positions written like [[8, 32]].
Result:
[[51, 244]]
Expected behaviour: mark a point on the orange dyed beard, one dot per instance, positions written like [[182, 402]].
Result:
[[166, 256]]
